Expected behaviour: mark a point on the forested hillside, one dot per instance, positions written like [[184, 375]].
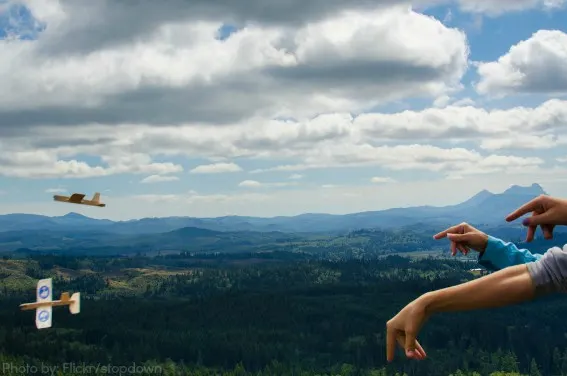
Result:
[[278, 314]]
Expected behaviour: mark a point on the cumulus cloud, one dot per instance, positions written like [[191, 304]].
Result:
[[535, 65], [192, 197], [158, 179], [45, 163], [293, 89], [56, 190], [216, 168], [382, 180], [257, 184], [80, 27], [180, 72], [409, 157], [328, 140], [496, 8]]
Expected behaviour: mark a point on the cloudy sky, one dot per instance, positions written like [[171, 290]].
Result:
[[280, 107]]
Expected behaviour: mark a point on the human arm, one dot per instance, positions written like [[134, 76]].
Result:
[[505, 287], [499, 254], [508, 286]]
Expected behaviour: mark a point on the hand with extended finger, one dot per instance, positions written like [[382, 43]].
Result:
[[464, 237], [546, 212]]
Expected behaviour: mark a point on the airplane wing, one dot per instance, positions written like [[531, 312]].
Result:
[[76, 197], [44, 290], [44, 293], [43, 317]]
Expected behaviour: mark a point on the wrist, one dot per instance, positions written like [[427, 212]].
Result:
[[484, 244], [428, 302]]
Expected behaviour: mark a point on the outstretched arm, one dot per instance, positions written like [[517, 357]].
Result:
[[506, 287]]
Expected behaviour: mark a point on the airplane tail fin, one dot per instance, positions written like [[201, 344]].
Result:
[[96, 197], [75, 306]]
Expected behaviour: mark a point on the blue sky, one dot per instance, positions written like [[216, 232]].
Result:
[[189, 92]]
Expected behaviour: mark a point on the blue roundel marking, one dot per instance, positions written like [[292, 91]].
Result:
[[43, 316], [43, 292]]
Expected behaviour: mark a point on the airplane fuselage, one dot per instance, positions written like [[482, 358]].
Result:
[[54, 303]]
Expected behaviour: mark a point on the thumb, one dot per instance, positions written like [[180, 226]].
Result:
[[410, 343], [545, 218]]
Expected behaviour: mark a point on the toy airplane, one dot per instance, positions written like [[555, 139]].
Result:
[[78, 198], [44, 304]]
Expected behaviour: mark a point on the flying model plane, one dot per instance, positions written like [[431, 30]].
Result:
[[44, 304], [78, 198]]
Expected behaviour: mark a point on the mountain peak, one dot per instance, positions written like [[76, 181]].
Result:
[[532, 190], [74, 215]]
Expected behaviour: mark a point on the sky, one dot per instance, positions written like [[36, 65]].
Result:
[[208, 108]]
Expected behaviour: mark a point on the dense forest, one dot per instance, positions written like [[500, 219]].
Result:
[[270, 314]]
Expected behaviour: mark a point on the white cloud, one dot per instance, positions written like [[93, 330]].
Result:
[[328, 140], [535, 65], [216, 168], [442, 101], [296, 88], [257, 184], [382, 180], [193, 197], [250, 184], [464, 102], [410, 157], [42, 164], [56, 190], [495, 8], [158, 179], [180, 72], [520, 141]]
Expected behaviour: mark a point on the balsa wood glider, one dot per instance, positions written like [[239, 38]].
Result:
[[78, 198], [44, 304]]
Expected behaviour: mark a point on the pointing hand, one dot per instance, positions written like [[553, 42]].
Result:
[[464, 237], [546, 211]]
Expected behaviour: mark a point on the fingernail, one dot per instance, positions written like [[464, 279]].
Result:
[[526, 222]]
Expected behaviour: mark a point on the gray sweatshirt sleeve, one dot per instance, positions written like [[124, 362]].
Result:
[[549, 274]]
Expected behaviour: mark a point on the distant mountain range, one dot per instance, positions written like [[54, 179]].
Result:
[[392, 230], [483, 209]]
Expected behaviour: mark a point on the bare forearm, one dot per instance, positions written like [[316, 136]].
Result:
[[505, 287]]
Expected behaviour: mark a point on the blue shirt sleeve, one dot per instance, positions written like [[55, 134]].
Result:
[[499, 255]]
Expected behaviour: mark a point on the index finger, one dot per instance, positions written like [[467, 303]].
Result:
[[524, 209], [444, 233], [390, 344]]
